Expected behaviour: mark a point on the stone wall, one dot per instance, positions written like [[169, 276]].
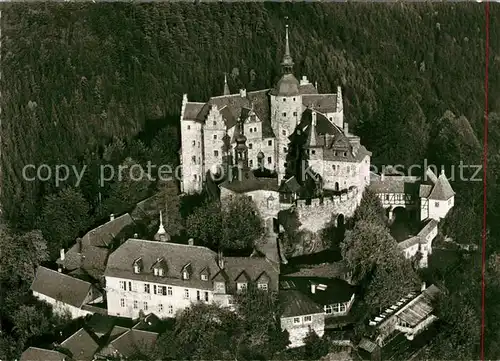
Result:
[[297, 332], [318, 215]]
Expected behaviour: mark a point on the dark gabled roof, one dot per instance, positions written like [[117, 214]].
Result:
[[442, 190], [149, 323], [61, 287], [263, 277], [323, 125], [295, 303], [425, 190], [100, 324], [176, 257], [307, 89], [103, 235], [39, 354], [243, 276], [253, 268], [291, 185], [192, 110], [336, 291], [221, 276], [325, 103], [81, 346], [134, 340]]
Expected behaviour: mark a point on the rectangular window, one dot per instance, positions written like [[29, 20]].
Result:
[[251, 130], [215, 122], [135, 304], [284, 150], [250, 162], [215, 136], [194, 143], [242, 286], [204, 277], [296, 320], [123, 285], [269, 160], [169, 291], [220, 287], [284, 114], [195, 177], [193, 159], [343, 307], [307, 319], [146, 288], [386, 197], [269, 142], [206, 296], [186, 293], [328, 309], [255, 129], [336, 308], [313, 151], [199, 144], [145, 306], [449, 201], [130, 286], [262, 286], [189, 127], [216, 153], [154, 289], [436, 204], [294, 114], [170, 309], [160, 307], [283, 132], [122, 302], [162, 290], [250, 145], [198, 298]]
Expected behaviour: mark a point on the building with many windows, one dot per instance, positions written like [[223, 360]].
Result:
[[164, 277]]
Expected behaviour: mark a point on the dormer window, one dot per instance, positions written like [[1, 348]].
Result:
[[241, 286], [204, 274], [138, 265], [186, 272], [160, 267]]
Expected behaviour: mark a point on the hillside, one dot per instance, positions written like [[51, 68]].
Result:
[[73, 79]]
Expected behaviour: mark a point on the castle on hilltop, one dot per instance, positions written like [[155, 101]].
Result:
[[269, 119]]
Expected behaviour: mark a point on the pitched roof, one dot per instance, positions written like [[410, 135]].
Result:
[[425, 190], [253, 268], [103, 235], [325, 103], [336, 290], [307, 89], [61, 287], [81, 345], [442, 190], [120, 263], [395, 184], [39, 354], [192, 110], [295, 303], [290, 185], [134, 340], [100, 324], [148, 323]]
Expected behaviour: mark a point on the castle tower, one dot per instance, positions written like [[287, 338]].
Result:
[[286, 107]]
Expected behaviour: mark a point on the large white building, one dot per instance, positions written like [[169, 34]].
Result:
[[269, 117], [164, 277]]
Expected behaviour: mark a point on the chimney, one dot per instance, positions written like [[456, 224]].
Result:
[[136, 235], [442, 171], [316, 85], [62, 255], [346, 128], [424, 286], [313, 288], [220, 260], [191, 241], [184, 98], [243, 93], [59, 269], [304, 80], [112, 217], [382, 177]]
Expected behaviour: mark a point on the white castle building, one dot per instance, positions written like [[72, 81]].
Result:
[[268, 118]]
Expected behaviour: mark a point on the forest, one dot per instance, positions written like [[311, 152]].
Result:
[[87, 84]]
